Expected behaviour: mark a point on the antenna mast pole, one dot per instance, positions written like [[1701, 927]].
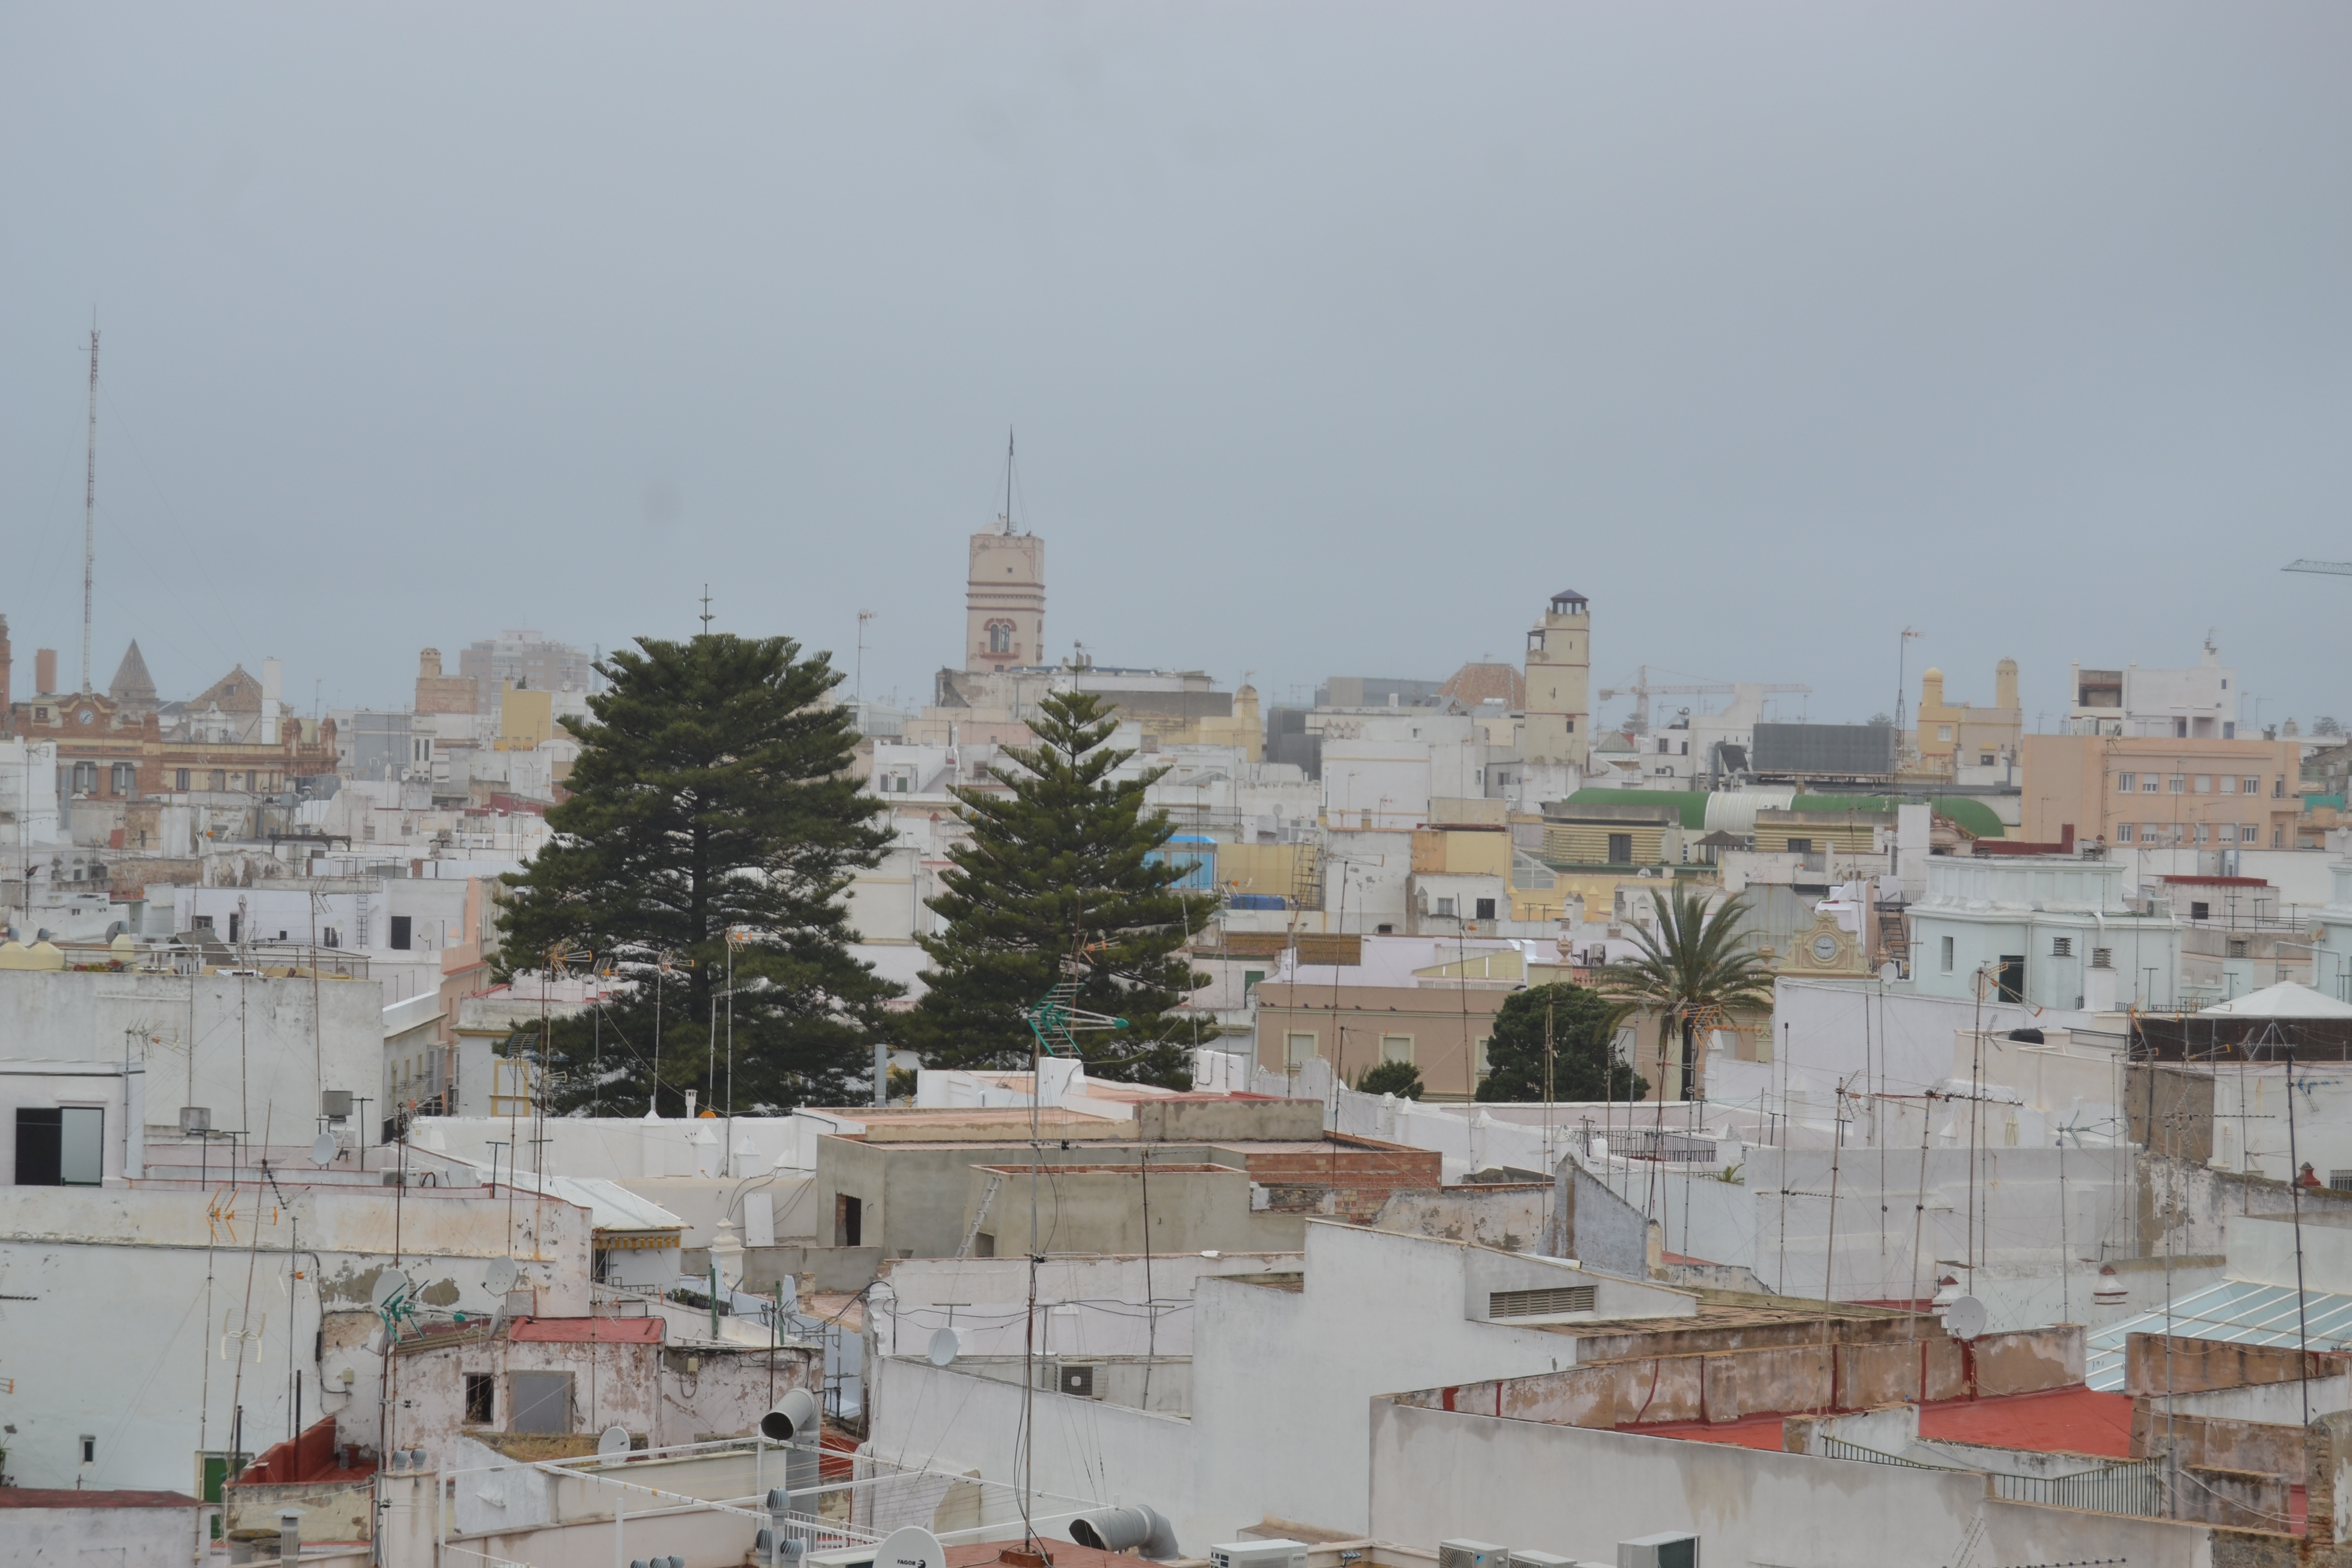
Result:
[[89, 507], [1008, 481]]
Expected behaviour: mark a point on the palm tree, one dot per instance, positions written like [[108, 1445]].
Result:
[[1695, 965]]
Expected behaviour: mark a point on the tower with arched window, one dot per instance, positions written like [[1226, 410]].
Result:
[[1004, 600]]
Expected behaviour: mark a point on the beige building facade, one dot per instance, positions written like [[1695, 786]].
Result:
[[1004, 600], [2161, 790], [1558, 726], [1442, 1030], [1956, 736]]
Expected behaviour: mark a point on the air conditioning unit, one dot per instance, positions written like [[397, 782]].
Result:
[[1670, 1549], [1472, 1554], [1277, 1553], [1076, 1379], [1520, 1559]]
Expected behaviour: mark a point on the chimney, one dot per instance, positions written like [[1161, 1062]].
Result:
[[428, 663], [45, 671]]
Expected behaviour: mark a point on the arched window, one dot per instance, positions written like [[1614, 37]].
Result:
[[999, 636]]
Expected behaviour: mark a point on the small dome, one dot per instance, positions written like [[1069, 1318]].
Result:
[[1933, 674]]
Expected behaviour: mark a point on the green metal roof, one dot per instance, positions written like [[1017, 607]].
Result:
[[1690, 803], [1966, 810]]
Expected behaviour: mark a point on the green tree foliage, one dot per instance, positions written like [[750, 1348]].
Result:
[[1584, 1065], [710, 797], [1696, 966], [1061, 860], [1399, 1079]]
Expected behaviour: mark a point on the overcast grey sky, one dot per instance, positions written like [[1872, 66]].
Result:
[[1336, 335]]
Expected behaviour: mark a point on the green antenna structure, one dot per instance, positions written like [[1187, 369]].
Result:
[[1056, 1020]]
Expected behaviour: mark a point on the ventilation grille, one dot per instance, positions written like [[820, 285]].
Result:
[[2061, 947], [1545, 1303], [1079, 1381]]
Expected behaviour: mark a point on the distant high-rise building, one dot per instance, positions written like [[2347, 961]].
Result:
[[1004, 599], [1559, 683], [524, 658]]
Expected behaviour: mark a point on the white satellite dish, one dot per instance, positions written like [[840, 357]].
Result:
[[501, 1276], [389, 1283], [322, 1152], [614, 1443], [912, 1547], [1966, 1317], [946, 1345]]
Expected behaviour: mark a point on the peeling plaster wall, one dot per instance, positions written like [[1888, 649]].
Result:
[[1508, 1216], [676, 1393]]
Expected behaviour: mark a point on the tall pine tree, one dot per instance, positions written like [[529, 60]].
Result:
[[710, 797], [1061, 863]]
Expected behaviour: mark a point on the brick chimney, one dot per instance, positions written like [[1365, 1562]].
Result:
[[45, 671]]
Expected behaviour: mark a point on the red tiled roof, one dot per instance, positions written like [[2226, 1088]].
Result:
[[70, 1497], [583, 1330], [2060, 1421], [1750, 1432]]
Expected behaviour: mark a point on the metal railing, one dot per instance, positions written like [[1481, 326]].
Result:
[[2134, 1488]]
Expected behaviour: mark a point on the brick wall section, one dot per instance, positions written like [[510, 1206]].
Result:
[[2201, 1364], [2211, 1440], [1359, 1178]]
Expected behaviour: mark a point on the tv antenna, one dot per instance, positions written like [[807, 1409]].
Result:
[[706, 609], [89, 504]]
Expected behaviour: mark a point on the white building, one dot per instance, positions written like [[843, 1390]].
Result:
[[2198, 703], [2050, 930]]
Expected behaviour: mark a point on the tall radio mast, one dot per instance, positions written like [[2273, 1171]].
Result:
[[89, 507]]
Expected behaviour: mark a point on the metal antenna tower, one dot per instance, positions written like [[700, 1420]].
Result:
[[89, 506]]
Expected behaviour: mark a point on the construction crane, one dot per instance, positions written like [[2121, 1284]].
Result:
[[1641, 690], [2324, 568]]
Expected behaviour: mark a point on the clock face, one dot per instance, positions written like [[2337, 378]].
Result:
[[86, 715], [1825, 947]]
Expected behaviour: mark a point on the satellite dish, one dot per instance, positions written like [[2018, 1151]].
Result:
[[946, 1345], [1890, 971], [389, 1283], [1966, 1317], [501, 1277], [913, 1547], [614, 1443], [322, 1152]]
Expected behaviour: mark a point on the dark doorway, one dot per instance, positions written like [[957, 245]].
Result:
[[2012, 977]]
